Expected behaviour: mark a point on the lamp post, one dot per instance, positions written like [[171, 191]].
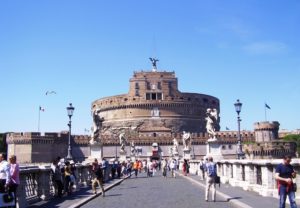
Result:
[[238, 108], [70, 110]]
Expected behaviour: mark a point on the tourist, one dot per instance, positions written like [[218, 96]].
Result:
[[284, 175], [14, 176], [173, 167], [145, 166], [140, 166], [164, 166], [56, 178], [124, 169], [4, 173], [95, 165], [119, 169], [202, 169], [150, 169], [154, 167], [185, 167], [211, 171], [98, 180], [104, 167], [136, 167], [129, 168], [113, 170], [67, 178]]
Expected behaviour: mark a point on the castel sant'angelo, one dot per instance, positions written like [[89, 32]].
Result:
[[152, 117], [154, 107]]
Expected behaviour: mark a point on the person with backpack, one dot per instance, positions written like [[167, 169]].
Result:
[[98, 180], [211, 172]]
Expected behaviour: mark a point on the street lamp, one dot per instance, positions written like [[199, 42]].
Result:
[[70, 110], [238, 108]]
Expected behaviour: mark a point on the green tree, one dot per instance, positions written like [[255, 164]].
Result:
[[293, 138]]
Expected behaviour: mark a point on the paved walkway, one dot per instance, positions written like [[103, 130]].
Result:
[[76, 199], [156, 192]]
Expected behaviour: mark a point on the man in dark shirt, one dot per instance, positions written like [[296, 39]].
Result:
[[98, 180], [284, 174]]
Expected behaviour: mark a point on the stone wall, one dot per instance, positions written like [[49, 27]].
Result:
[[31, 147], [251, 175]]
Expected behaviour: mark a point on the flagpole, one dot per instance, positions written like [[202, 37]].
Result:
[[266, 113], [39, 119]]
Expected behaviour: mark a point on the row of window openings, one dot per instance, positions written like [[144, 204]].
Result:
[[150, 86], [154, 96]]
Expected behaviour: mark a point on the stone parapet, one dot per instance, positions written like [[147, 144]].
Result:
[[256, 175]]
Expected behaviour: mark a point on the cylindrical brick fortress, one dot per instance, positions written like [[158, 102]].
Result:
[[155, 107]]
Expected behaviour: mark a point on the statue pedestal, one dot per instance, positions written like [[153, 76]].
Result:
[[96, 153], [214, 149], [133, 158], [122, 157], [187, 154]]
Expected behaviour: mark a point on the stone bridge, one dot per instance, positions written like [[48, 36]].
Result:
[[244, 184]]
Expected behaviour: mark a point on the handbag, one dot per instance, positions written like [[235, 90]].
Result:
[[218, 180]]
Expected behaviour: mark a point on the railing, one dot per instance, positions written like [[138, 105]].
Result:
[[36, 184], [251, 175]]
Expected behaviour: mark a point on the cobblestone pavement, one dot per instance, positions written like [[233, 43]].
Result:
[[156, 192]]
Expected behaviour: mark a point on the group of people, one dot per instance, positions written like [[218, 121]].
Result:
[[63, 176], [9, 175]]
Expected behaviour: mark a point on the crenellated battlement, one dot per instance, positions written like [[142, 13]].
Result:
[[46, 138]]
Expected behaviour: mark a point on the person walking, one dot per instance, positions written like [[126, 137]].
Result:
[[173, 166], [98, 180], [136, 168], [14, 176], [67, 174], [150, 169], [56, 178], [211, 171], [185, 167], [284, 174], [164, 166], [4, 173], [202, 169]]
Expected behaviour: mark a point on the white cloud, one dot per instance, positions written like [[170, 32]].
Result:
[[265, 48]]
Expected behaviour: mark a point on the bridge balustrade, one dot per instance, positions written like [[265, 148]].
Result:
[[36, 184], [251, 175]]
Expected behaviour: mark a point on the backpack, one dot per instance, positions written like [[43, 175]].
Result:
[[211, 169]]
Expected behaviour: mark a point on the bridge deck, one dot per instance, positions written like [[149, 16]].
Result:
[[184, 191]]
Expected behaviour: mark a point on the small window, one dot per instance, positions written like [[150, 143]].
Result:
[[159, 85], [153, 96], [137, 92], [230, 146], [148, 86], [136, 85], [148, 96], [154, 134], [159, 96]]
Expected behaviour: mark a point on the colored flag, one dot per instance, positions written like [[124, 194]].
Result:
[[42, 109], [266, 105]]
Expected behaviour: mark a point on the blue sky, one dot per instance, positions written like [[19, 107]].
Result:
[[85, 50]]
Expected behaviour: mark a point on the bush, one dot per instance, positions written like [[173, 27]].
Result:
[[293, 138]]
